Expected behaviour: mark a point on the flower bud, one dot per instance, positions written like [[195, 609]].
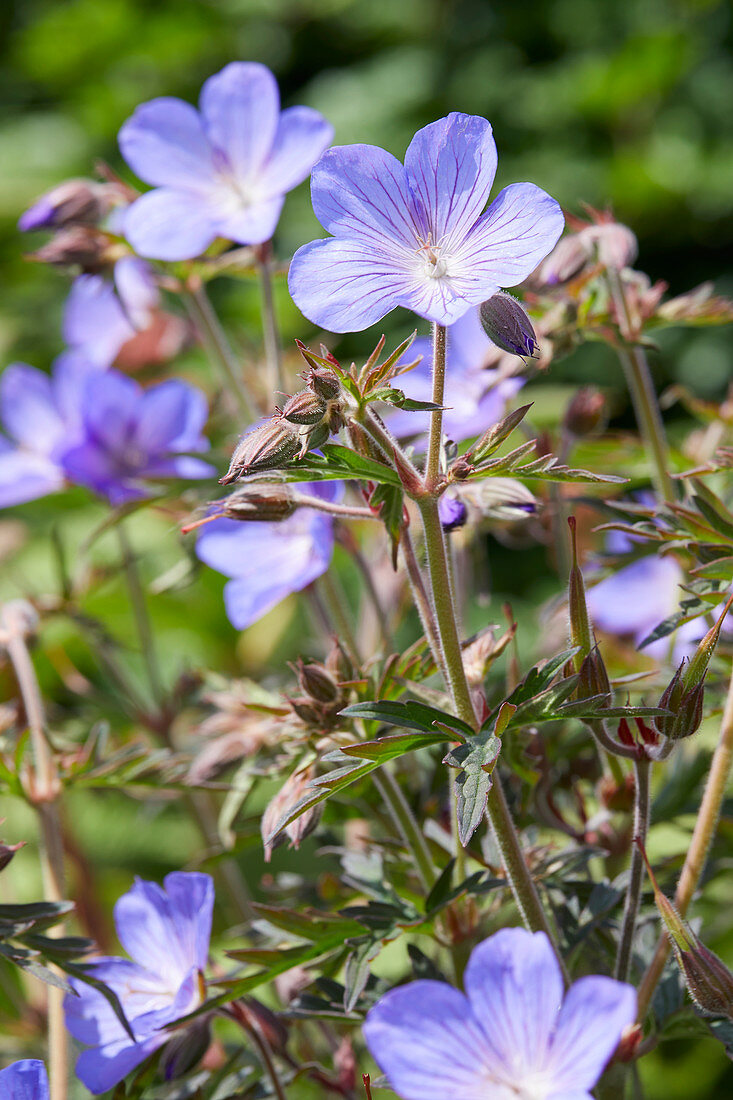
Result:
[[507, 325], [186, 1048], [304, 408], [77, 246], [593, 679], [339, 663], [324, 383], [7, 851], [268, 447], [269, 502], [286, 799], [264, 1022], [452, 511], [614, 244], [317, 682], [580, 629], [566, 259], [73, 202], [586, 413]]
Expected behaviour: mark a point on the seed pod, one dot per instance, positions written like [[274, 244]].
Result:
[[324, 383], [317, 682], [507, 325], [304, 408], [266, 448], [270, 503]]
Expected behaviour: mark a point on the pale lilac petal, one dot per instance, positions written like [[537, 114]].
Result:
[[167, 931], [362, 191], [515, 987], [595, 1012], [518, 230], [345, 286], [95, 467], [251, 223], [468, 344], [111, 405], [137, 289], [164, 143], [101, 1068], [442, 300], [170, 418], [424, 1038], [240, 107], [39, 216], [180, 466], [169, 224], [24, 1080], [89, 1016], [451, 166], [26, 476], [94, 321], [29, 410], [301, 137]]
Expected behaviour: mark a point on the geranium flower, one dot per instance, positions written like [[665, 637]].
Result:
[[166, 932], [221, 171], [510, 1036], [415, 236], [24, 1080], [268, 561], [101, 315], [476, 392]]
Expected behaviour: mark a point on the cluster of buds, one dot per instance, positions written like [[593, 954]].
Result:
[[322, 686], [75, 211], [601, 241], [683, 696], [305, 421]]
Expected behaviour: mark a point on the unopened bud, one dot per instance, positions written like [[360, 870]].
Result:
[[593, 678], [270, 503], [586, 413], [507, 325], [7, 851], [482, 651], [324, 383], [617, 796], [266, 448], [286, 799], [628, 1045], [304, 408], [580, 630], [77, 246], [452, 511], [262, 1020], [317, 682], [74, 202], [185, 1049], [340, 664]]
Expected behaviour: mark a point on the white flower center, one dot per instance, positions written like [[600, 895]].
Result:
[[433, 262]]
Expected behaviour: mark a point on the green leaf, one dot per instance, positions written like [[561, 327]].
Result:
[[390, 747], [475, 759], [338, 462], [410, 715]]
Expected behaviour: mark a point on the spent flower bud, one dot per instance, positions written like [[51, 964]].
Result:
[[266, 448], [77, 246], [324, 383], [593, 678], [507, 325], [279, 808], [267, 502], [186, 1048], [317, 682], [586, 413], [7, 851]]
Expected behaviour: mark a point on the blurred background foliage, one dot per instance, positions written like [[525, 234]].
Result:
[[620, 102]]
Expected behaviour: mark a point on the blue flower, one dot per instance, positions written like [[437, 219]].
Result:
[[476, 393], [26, 1080], [510, 1035], [415, 236], [100, 316], [221, 171], [268, 561], [166, 932]]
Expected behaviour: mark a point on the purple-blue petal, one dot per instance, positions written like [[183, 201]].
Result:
[[24, 1080], [171, 224], [26, 476], [252, 222], [165, 144], [137, 290], [595, 1012], [170, 417], [345, 285], [41, 215], [451, 166], [101, 1068], [95, 324], [240, 107], [28, 408], [302, 136], [167, 930]]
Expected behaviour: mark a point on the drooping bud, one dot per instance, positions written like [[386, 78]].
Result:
[[317, 682], [503, 498], [268, 447], [268, 502], [580, 628], [324, 384], [586, 413], [77, 246], [279, 807], [683, 696], [185, 1050], [304, 408], [507, 325], [73, 202], [7, 851], [264, 1021], [452, 511], [708, 979]]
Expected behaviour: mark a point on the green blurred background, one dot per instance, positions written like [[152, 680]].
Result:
[[621, 102]]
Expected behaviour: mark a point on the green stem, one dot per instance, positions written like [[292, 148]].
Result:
[[435, 438], [642, 769], [142, 619], [422, 600], [219, 348], [276, 379], [643, 395], [402, 815], [697, 854]]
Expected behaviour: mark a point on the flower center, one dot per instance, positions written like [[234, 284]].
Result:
[[435, 265]]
